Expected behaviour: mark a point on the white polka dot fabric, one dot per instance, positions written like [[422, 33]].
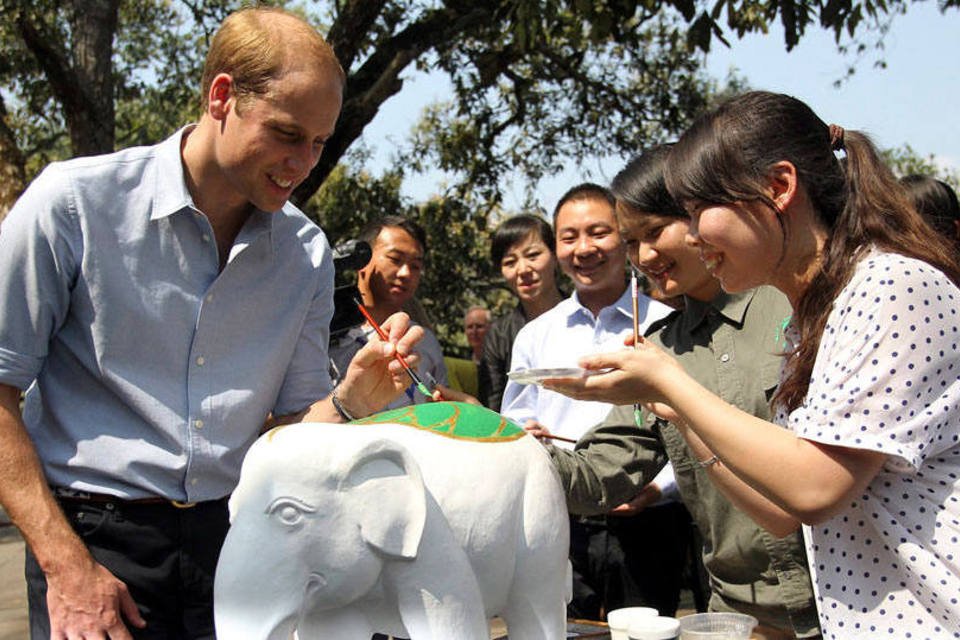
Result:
[[887, 378]]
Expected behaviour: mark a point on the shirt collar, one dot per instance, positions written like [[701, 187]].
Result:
[[173, 196], [623, 305], [731, 306]]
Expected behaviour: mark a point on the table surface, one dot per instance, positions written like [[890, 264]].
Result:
[[575, 629]]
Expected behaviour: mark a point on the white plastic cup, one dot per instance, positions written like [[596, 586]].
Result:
[[654, 628], [619, 620]]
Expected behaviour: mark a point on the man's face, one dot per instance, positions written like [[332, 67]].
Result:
[[269, 143], [391, 277], [476, 325], [589, 248]]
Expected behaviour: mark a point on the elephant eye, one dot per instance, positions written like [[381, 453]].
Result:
[[290, 511]]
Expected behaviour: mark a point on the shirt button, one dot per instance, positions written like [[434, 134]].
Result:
[[725, 357], [200, 361], [206, 238], [193, 481], [198, 424]]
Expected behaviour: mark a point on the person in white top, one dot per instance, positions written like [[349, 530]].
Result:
[[870, 389], [597, 317]]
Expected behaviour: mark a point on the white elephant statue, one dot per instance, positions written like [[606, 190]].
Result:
[[422, 522]]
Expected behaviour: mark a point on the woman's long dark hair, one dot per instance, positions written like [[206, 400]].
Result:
[[726, 156], [936, 201], [640, 185]]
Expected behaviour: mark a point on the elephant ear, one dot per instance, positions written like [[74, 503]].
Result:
[[387, 491]]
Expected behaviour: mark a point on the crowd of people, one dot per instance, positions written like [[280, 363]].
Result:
[[781, 404]]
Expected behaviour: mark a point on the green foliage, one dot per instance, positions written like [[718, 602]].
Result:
[[537, 84], [905, 161], [458, 271], [551, 85]]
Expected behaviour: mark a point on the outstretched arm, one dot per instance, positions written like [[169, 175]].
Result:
[[763, 511], [83, 598], [809, 481]]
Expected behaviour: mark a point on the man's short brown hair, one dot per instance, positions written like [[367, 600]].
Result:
[[257, 45]]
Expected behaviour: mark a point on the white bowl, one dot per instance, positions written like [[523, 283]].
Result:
[[619, 620]]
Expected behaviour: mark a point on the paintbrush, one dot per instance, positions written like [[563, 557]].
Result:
[[561, 439], [635, 296], [422, 388]]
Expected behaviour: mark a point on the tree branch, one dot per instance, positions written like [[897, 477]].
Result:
[[12, 170], [353, 21], [379, 78]]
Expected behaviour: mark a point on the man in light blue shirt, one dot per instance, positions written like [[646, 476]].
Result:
[[597, 317], [160, 305]]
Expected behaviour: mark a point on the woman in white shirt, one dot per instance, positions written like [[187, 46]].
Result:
[[870, 388]]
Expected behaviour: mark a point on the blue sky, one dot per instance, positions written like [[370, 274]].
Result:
[[914, 100]]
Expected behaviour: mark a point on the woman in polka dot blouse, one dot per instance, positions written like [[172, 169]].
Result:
[[870, 388]]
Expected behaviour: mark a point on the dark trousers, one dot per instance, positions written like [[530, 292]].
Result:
[[629, 561], [166, 555]]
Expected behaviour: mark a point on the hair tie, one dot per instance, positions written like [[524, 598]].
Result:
[[836, 137]]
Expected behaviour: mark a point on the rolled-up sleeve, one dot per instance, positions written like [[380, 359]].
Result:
[[308, 376], [40, 250], [609, 465]]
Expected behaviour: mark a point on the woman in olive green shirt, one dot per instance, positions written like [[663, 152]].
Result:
[[731, 344]]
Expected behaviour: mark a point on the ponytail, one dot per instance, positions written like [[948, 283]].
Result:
[[725, 157]]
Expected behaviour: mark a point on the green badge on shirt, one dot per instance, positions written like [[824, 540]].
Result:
[[451, 419]]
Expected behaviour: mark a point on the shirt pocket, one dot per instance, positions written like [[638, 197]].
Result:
[[770, 371]]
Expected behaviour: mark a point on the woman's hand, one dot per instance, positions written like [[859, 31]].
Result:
[[665, 411], [443, 392], [621, 377]]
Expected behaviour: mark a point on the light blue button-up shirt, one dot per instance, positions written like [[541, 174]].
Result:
[[150, 371]]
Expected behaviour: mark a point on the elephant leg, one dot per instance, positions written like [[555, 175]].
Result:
[[536, 616], [536, 607], [431, 614], [342, 624]]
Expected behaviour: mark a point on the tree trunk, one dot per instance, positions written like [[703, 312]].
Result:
[[94, 23], [12, 174], [81, 78], [379, 78]]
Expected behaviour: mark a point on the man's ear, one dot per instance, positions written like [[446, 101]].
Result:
[[783, 184], [219, 101]]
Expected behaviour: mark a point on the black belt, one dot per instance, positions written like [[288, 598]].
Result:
[[73, 495]]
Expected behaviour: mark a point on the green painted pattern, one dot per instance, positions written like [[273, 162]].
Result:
[[451, 419]]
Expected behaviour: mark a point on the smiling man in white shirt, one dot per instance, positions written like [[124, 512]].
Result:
[[596, 318]]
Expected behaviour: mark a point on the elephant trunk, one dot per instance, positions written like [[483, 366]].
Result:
[[250, 603]]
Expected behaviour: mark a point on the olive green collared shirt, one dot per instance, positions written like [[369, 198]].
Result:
[[732, 346]]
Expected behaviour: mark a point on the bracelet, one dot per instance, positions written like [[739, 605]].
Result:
[[712, 460], [340, 408]]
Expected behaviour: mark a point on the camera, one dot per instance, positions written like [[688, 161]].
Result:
[[348, 256]]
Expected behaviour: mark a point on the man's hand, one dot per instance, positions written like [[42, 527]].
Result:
[[375, 376], [85, 601]]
